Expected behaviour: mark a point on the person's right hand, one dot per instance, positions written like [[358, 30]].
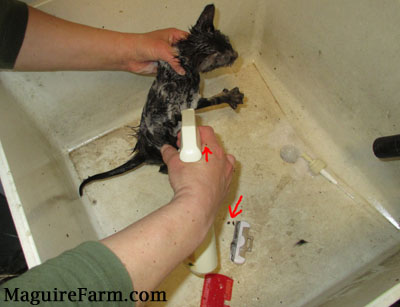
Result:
[[203, 183]]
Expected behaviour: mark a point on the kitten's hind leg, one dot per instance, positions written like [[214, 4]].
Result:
[[232, 97]]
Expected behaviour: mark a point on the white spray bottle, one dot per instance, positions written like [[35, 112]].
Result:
[[204, 259]]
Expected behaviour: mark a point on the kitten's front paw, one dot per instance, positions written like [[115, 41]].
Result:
[[235, 97]]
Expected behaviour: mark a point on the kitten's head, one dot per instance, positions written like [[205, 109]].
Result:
[[206, 48]]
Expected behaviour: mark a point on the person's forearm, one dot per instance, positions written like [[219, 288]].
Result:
[[152, 247], [55, 44]]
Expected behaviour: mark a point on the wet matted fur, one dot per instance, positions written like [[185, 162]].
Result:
[[204, 49]]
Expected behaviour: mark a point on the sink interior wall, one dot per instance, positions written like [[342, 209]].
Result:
[[319, 75], [331, 67]]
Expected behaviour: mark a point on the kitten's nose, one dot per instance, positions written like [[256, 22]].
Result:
[[230, 57], [235, 55]]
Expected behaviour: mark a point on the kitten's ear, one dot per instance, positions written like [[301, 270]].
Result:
[[205, 21]]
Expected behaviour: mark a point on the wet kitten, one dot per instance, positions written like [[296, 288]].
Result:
[[203, 50]]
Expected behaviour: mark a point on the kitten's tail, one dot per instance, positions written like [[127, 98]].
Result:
[[136, 160]]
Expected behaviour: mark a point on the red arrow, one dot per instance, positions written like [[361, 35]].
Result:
[[206, 151], [234, 213]]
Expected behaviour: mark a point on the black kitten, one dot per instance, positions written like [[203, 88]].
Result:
[[203, 50]]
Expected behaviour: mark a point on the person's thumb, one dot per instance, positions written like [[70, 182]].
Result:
[[167, 152]]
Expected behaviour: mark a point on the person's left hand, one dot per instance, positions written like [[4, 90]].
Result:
[[153, 46]]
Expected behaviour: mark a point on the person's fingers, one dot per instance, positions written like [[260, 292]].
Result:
[[167, 152], [178, 141], [207, 135], [209, 139], [177, 35], [169, 54], [170, 57], [174, 51], [231, 159], [154, 46], [175, 64], [171, 35], [230, 167]]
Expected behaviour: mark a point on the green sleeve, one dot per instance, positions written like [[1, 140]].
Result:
[[91, 271], [13, 22]]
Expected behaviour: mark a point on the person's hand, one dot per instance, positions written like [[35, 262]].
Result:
[[204, 183], [150, 47], [180, 226], [52, 44]]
